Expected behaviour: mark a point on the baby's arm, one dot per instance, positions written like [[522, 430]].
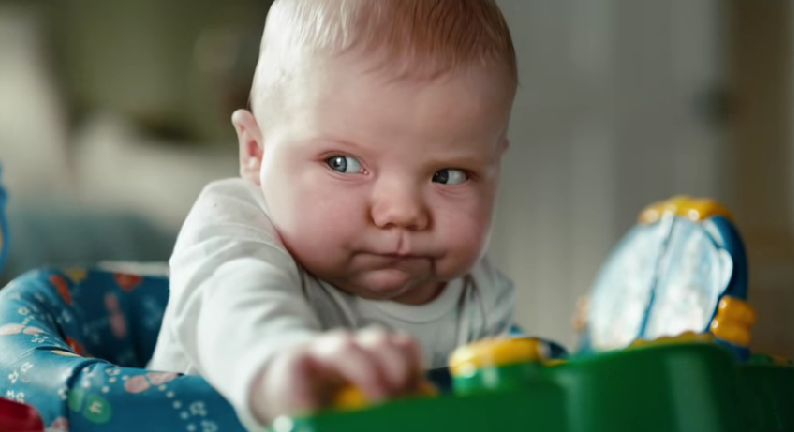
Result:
[[235, 293], [240, 316]]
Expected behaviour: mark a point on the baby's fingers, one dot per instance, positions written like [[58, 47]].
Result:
[[287, 385], [398, 357], [344, 358]]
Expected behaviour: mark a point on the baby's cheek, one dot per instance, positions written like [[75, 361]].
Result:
[[466, 243], [334, 210], [464, 236], [320, 221]]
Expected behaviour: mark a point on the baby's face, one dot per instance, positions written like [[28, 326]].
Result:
[[385, 188]]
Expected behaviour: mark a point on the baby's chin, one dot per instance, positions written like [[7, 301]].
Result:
[[394, 285]]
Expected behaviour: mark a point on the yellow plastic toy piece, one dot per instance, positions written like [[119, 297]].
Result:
[[553, 362], [352, 398], [683, 338], [781, 361], [427, 389], [494, 352], [734, 321], [695, 210]]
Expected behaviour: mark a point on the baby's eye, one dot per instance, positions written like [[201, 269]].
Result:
[[345, 164], [450, 177]]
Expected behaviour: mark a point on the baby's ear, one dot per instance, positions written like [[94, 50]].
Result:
[[250, 139]]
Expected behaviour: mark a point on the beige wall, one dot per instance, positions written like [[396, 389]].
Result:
[[761, 143]]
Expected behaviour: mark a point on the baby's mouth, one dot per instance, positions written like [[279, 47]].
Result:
[[401, 257], [393, 260]]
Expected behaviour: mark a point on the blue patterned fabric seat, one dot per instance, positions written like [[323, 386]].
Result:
[[73, 344]]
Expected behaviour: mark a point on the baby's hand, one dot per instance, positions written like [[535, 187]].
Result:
[[306, 379]]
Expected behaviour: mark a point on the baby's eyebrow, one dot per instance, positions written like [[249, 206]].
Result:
[[459, 160], [329, 141]]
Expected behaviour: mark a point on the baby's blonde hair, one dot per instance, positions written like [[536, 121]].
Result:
[[422, 39]]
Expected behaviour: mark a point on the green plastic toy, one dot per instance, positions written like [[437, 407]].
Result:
[[672, 384]]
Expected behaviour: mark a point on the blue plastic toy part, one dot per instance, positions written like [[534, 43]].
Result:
[[666, 278], [516, 330]]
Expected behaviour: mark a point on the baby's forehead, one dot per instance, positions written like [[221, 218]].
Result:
[[358, 78], [343, 103], [366, 107]]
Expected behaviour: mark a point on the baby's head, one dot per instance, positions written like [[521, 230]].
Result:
[[376, 137]]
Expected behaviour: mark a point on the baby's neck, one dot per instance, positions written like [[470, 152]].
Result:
[[421, 296]]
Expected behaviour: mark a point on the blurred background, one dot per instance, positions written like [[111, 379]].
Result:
[[113, 115]]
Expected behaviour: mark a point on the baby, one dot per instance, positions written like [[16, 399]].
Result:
[[351, 250]]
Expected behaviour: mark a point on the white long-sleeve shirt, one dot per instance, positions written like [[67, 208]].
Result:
[[237, 298]]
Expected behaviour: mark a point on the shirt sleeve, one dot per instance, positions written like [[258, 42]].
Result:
[[236, 293]]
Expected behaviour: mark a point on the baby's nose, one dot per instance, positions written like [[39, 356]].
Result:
[[400, 208]]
